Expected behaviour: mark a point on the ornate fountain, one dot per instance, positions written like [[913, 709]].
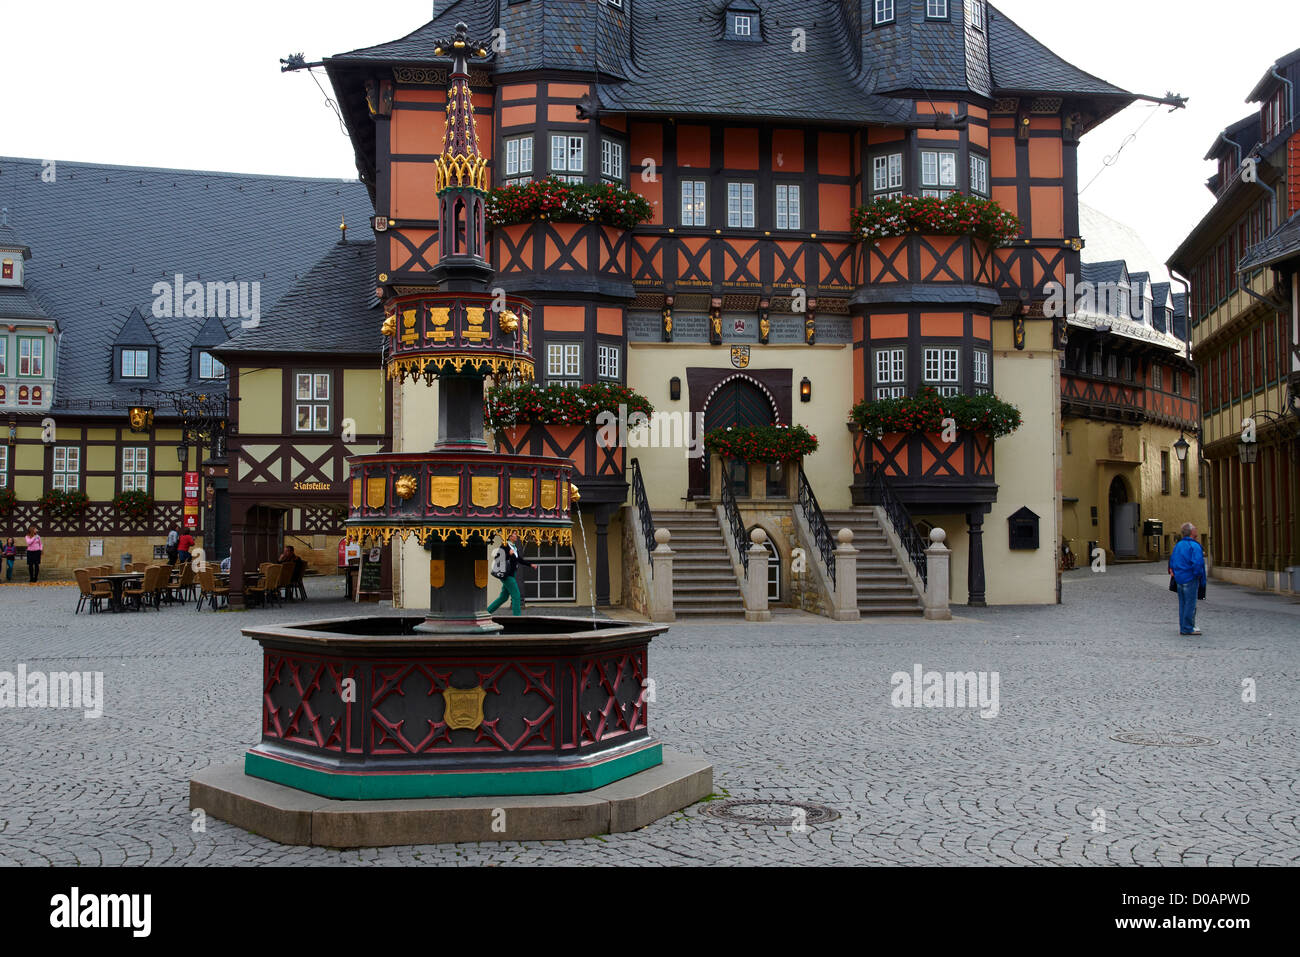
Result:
[[455, 703]]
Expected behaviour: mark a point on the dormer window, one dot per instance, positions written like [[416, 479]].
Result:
[[742, 23], [742, 26], [884, 12], [210, 367], [975, 14], [936, 9], [135, 364]]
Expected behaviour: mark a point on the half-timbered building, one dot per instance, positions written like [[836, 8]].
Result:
[[755, 128], [1242, 261]]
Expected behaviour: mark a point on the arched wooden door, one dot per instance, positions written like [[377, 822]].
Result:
[[737, 401]]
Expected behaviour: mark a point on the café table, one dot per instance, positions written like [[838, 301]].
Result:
[[117, 583]]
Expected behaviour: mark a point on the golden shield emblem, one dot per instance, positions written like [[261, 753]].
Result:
[[548, 496], [437, 573], [521, 493], [485, 492], [141, 419], [480, 573], [740, 357], [464, 707], [444, 491], [376, 492], [356, 493]]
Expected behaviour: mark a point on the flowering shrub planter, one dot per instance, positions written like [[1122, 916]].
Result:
[[550, 199], [927, 412], [135, 506], [958, 215], [65, 505], [761, 443], [509, 405], [8, 500]]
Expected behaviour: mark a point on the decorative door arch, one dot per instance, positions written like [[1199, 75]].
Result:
[[738, 400]]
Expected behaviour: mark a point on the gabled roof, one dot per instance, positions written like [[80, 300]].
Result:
[[9, 236], [107, 234], [1282, 245], [135, 331], [332, 308], [214, 332], [1023, 65], [17, 302], [1268, 80], [1111, 271], [1243, 134], [1160, 295]]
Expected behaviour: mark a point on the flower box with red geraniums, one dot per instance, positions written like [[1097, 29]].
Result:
[[510, 405], [134, 505], [65, 504], [958, 215], [929, 412], [556, 201], [761, 443]]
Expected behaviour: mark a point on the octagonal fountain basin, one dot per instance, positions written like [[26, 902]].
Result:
[[369, 708]]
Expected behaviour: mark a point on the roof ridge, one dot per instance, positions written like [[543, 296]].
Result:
[[227, 174]]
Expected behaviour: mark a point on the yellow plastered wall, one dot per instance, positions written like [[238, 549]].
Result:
[[829, 368], [100, 488], [167, 488], [261, 401], [101, 458], [363, 399]]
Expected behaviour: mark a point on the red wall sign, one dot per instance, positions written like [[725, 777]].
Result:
[[191, 499]]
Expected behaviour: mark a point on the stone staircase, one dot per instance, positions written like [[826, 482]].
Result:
[[883, 587], [704, 580]]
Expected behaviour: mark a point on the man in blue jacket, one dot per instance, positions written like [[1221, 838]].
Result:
[[1187, 565]]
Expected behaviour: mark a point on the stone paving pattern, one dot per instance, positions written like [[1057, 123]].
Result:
[[798, 709]]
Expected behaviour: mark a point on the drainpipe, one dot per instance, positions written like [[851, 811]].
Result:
[[1290, 91]]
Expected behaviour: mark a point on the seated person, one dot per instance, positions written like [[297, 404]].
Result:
[[225, 565]]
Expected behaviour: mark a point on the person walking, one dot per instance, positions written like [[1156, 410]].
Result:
[[10, 551], [34, 549], [183, 546], [173, 537], [1187, 573], [505, 566]]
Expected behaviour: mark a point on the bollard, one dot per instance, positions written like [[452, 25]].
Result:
[[756, 579], [846, 578], [937, 557], [661, 586]]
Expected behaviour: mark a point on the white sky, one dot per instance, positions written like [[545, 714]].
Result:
[[199, 86]]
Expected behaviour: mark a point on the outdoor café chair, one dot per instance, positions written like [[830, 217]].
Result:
[[92, 595]]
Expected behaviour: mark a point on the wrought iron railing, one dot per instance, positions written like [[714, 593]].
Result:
[[642, 503], [737, 524], [882, 493], [821, 532]]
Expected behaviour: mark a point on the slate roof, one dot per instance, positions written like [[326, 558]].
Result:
[[1112, 271], [101, 236], [333, 307], [1283, 244], [671, 56], [1269, 80], [1244, 133], [19, 303]]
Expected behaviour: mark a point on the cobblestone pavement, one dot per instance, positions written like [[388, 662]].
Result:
[[796, 710]]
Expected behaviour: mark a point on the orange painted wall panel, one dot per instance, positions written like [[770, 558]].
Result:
[[1005, 196], [519, 91], [609, 322], [833, 153], [926, 108], [1002, 156], [942, 326], [833, 207], [1048, 216], [563, 318], [518, 116], [411, 187], [693, 146], [416, 131], [889, 327], [859, 382], [432, 95], [979, 135], [1045, 158], [615, 121], [1044, 122], [983, 327], [978, 112], [935, 136], [787, 151], [398, 253], [740, 149], [1003, 123], [562, 113], [884, 134], [567, 91]]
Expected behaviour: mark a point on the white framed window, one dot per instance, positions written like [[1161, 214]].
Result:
[[740, 205], [979, 175], [4, 466], [31, 356], [4, 355], [519, 159], [567, 156], [891, 373], [942, 369], [313, 401], [742, 26], [975, 14], [210, 367], [981, 371], [611, 160], [938, 173], [936, 9], [607, 361], [787, 207], [887, 176], [693, 203], [135, 469], [135, 363], [884, 11], [564, 363], [615, 3], [67, 468]]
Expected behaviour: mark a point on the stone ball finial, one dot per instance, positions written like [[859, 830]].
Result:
[[662, 536], [938, 536], [758, 536], [845, 536]]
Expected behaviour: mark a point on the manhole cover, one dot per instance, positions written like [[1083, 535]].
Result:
[[772, 813], [1164, 739]]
